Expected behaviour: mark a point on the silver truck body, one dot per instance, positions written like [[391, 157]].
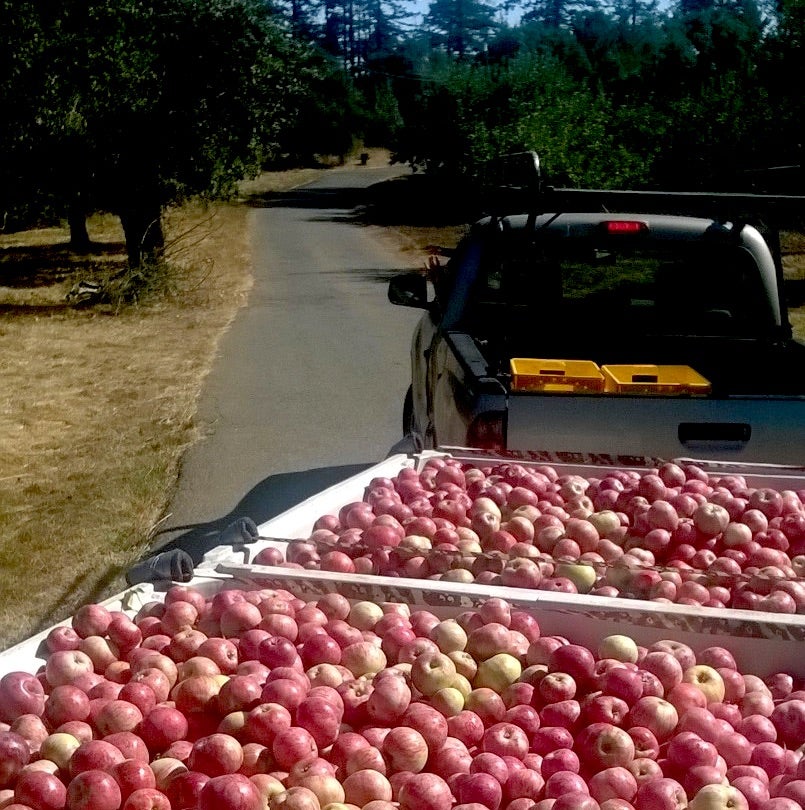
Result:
[[718, 307]]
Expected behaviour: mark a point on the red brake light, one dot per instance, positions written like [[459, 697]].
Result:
[[622, 226]]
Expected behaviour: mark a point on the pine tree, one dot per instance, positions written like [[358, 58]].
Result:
[[461, 27]]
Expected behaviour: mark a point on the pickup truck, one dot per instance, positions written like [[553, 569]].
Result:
[[643, 279]]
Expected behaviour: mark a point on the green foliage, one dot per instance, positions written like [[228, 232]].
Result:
[[460, 27], [133, 104], [23, 195], [621, 96], [322, 109], [472, 114]]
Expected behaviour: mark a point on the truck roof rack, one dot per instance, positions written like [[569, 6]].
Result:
[[516, 184]]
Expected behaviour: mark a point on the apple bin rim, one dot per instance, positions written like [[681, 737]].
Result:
[[585, 621]]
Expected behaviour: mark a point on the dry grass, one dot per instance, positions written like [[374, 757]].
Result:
[[793, 250], [98, 402]]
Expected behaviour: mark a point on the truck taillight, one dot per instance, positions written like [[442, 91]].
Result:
[[625, 226], [487, 432]]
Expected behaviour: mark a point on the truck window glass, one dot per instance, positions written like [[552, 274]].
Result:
[[663, 288]]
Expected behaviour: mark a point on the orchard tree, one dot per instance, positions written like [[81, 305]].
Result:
[[320, 110], [148, 103], [783, 67], [22, 83]]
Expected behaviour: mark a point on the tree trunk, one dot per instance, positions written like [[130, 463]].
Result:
[[142, 227], [77, 220]]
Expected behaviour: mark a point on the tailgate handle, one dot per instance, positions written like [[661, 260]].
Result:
[[714, 432]]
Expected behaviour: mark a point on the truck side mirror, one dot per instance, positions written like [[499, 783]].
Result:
[[409, 290]]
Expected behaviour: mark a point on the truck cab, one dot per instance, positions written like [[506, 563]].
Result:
[[623, 286]]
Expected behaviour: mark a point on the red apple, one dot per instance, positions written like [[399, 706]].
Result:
[[364, 786], [425, 791], [233, 791], [162, 726], [505, 739], [216, 754], [132, 775], [14, 756], [613, 783], [21, 693], [292, 745], [405, 749], [93, 790], [602, 745], [655, 714], [91, 620], [660, 794]]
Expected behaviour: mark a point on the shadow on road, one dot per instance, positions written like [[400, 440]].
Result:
[[313, 198], [380, 275], [404, 200], [269, 498]]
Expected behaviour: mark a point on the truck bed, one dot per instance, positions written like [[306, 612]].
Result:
[[734, 366], [755, 413]]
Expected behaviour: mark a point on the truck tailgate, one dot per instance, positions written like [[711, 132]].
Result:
[[743, 429]]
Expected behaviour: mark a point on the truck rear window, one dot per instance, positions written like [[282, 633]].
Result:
[[667, 288]]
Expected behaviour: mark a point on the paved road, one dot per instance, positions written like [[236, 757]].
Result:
[[309, 384]]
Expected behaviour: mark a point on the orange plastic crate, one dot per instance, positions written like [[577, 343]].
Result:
[[556, 376], [650, 379]]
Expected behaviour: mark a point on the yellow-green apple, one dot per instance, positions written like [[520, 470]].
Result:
[[365, 615], [448, 701], [582, 575], [432, 671], [465, 664], [449, 636], [619, 647], [59, 748], [708, 680], [719, 797], [497, 672]]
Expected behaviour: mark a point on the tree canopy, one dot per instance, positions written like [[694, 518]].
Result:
[[127, 106], [130, 105]]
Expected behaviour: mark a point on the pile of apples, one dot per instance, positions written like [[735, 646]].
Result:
[[673, 534], [256, 699]]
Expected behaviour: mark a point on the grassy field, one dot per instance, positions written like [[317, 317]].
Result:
[[98, 401]]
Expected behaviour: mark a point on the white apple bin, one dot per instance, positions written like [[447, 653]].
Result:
[[297, 522], [762, 643], [758, 639]]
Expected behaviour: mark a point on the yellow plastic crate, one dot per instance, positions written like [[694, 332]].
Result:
[[650, 379], [556, 376]]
